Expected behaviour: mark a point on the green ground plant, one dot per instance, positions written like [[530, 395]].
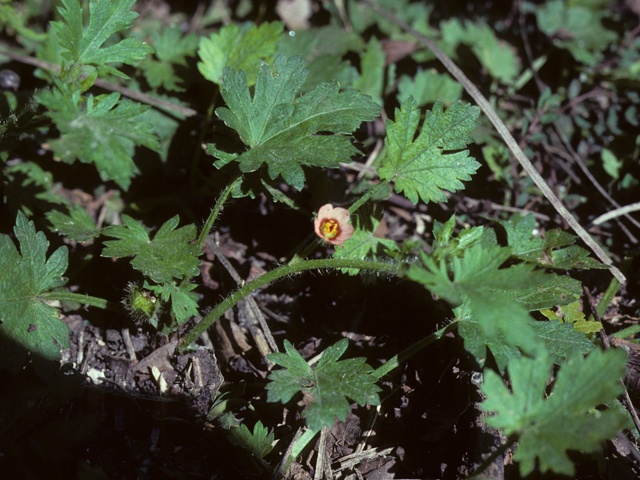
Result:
[[280, 112]]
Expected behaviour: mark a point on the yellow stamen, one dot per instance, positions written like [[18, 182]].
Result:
[[330, 229]]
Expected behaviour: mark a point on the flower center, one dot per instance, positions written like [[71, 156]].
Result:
[[330, 229]]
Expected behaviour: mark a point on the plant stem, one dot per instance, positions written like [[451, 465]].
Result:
[[396, 360], [611, 291], [513, 438], [299, 442], [311, 247], [606, 299], [101, 83], [201, 134], [216, 210], [84, 299], [305, 251], [212, 218], [276, 274], [364, 198]]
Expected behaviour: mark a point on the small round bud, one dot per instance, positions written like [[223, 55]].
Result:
[[142, 305]]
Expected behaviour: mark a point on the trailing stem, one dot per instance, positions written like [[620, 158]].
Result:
[[277, 274]]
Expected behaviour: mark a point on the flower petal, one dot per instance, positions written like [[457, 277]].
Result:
[[346, 231], [316, 226], [341, 215], [324, 214], [326, 211]]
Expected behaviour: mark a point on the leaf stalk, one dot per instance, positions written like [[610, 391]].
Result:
[[216, 210], [404, 355], [364, 198], [84, 299]]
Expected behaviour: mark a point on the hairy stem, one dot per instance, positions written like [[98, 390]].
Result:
[[84, 299], [216, 210], [305, 251], [276, 274], [364, 198], [402, 357]]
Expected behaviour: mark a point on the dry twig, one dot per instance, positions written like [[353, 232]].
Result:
[[493, 117]]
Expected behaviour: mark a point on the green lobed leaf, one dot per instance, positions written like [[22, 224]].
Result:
[[323, 50], [559, 339], [582, 31], [363, 244], [252, 116], [172, 48], [371, 80], [98, 130], [27, 323], [240, 47], [169, 255], [282, 131], [326, 387], [478, 271], [259, 443], [105, 19], [183, 300], [477, 277], [573, 315], [497, 56], [77, 225], [29, 188], [428, 86], [546, 252], [556, 290], [419, 166], [564, 420]]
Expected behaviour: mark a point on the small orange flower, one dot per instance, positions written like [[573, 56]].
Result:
[[332, 224]]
